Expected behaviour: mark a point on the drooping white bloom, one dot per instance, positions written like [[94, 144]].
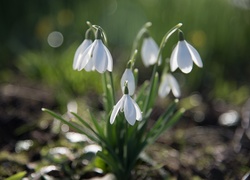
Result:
[[130, 108], [149, 51], [183, 57], [79, 52], [168, 83], [71, 107], [128, 77], [96, 57]]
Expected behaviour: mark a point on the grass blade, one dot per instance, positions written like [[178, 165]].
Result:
[[70, 124]]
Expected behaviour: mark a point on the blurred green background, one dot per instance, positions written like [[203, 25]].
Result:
[[218, 29]]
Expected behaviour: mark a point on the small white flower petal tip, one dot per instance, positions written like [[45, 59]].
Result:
[[169, 83], [184, 55], [128, 77], [78, 57], [79, 53], [149, 51]]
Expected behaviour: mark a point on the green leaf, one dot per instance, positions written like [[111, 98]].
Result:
[[108, 87], [106, 99], [110, 98], [17, 176], [141, 95], [174, 119], [110, 160], [154, 91], [96, 124], [102, 140], [84, 123], [71, 124], [149, 95], [164, 121]]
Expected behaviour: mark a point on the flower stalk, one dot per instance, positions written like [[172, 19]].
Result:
[[125, 135]]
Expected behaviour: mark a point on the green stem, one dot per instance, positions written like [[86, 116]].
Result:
[[138, 37], [162, 45], [105, 40], [165, 39], [145, 109], [91, 26], [104, 86], [112, 88], [95, 27]]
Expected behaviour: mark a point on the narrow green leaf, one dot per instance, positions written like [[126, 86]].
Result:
[[102, 139], [106, 98], [113, 163], [112, 90], [168, 122], [96, 124], [174, 119], [17, 176], [148, 96], [109, 93], [141, 95], [110, 131], [154, 91], [70, 124], [161, 122], [110, 98], [83, 122]]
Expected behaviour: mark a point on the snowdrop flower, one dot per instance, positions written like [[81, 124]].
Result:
[[149, 51], [128, 77], [79, 52], [130, 108], [184, 55], [96, 57], [168, 83]]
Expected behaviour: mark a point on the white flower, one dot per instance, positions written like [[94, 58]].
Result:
[[96, 57], [183, 57], [128, 77], [149, 51], [168, 82], [131, 110], [79, 52]]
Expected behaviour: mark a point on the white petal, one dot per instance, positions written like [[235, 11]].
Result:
[[100, 57], [117, 107], [149, 51], [110, 60], [84, 45], [129, 77], [184, 59], [90, 66], [195, 55], [138, 111], [86, 56], [173, 58], [129, 110], [164, 88], [174, 85]]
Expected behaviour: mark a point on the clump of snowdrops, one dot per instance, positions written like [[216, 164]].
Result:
[[122, 131]]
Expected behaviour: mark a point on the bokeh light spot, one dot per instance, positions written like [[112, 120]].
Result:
[[55, 39], [229, 118], [198, 38]]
